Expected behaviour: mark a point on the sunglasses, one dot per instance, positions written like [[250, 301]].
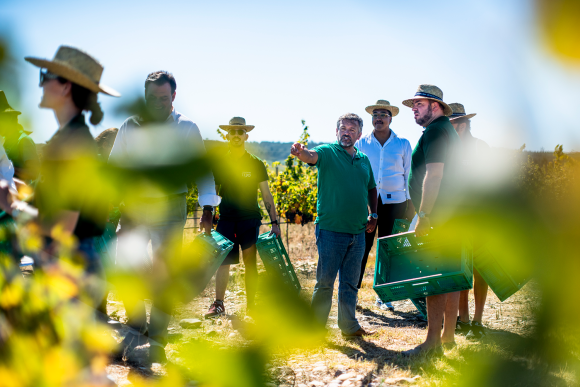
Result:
[[48, 76], [237, 132], [381, 115]]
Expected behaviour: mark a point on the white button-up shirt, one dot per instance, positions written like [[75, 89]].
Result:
[[176, 140], [391, 164]]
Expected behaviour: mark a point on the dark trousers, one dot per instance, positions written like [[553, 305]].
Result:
[[387, 214]]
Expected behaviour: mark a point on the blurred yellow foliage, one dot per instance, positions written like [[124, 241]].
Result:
[[559, 22]]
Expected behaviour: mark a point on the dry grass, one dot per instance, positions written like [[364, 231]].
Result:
[[374, 360]]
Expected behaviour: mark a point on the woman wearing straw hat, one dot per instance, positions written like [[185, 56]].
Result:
[[66, 195]]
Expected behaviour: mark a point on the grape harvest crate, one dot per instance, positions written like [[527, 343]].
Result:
[[502, 277], [7, 231], [209, 252], [412, 267], [400, 225], [421, 305], [276, 260]]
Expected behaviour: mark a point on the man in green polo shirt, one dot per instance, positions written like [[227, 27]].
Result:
[[239, 174], [346, 190], [431, 188]]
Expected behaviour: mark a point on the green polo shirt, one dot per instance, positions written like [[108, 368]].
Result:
[[439, 143], [343, 188]]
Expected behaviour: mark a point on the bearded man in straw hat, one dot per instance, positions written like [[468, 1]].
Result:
[[346, 190], [430, 187], [474, 151], [390, 157], [239, 174], [20, 148], [159, 214]]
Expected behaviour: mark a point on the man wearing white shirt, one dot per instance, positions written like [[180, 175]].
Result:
[[390, 158], [161, 136]]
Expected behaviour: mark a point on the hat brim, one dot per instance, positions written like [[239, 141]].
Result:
[[446, 109], [247, 128], [72, 75], [393, 109], [467, 116]]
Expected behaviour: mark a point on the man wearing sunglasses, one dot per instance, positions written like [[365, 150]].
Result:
[[239, 174], [390, 157]]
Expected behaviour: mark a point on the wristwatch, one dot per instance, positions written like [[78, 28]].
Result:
[[208, 208], [422, 214], [274, 221], [374, 216]]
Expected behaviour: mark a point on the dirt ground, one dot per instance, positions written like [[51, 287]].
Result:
[[372, 361]]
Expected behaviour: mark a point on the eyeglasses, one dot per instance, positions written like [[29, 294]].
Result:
[[237, 132], [381, 115], [48, 76]]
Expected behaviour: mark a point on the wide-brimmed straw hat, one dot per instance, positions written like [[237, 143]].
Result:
[[5, 107], [78, 67], [237, 123], [459, 112], [383, 104], [429, 92]]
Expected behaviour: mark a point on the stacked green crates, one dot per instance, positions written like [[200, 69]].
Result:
[[411, 267], [503, 276], [276, 260]]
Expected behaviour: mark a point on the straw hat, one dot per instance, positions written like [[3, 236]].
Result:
[[459, 112], [383, 104], [429, 92], [5, 107], [78, 67], [237, 123]]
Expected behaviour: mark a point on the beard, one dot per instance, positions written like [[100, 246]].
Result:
[[426, 118], [346, 141]]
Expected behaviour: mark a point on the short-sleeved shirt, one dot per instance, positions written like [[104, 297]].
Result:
[[439, 143], [65, 184], [344, 182], [239, 180]]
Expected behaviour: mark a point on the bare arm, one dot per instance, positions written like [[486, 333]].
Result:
[[431, 186], [303, 154], [270, 207]]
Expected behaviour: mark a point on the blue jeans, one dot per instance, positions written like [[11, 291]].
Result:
[[342, 254], [162, 220]]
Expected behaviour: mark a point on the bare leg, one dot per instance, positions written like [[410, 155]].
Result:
[[435, 310], [480, 294], [221, 282], [249, 256], [450, 320], [464, 306]]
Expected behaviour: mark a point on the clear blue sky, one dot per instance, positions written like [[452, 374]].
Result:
[[276, 63]]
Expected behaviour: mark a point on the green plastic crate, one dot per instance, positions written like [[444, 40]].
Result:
[[105, 245], [400, 225], [412, 267], [7, 232], [421, 305], [209, 252], [501, 278], [276, 260]]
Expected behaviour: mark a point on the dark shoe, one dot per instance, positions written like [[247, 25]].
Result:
[[157, 354], [477, 332], [418, 350], [129, 343], [462, 328], [361, 332], [216, 309]]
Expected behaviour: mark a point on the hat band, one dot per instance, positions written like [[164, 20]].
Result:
[[427, 95], [458, 114]]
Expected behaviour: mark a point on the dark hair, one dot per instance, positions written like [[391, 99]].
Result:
[[350, 117], [85, 99], [465, 121], [161, 77]]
